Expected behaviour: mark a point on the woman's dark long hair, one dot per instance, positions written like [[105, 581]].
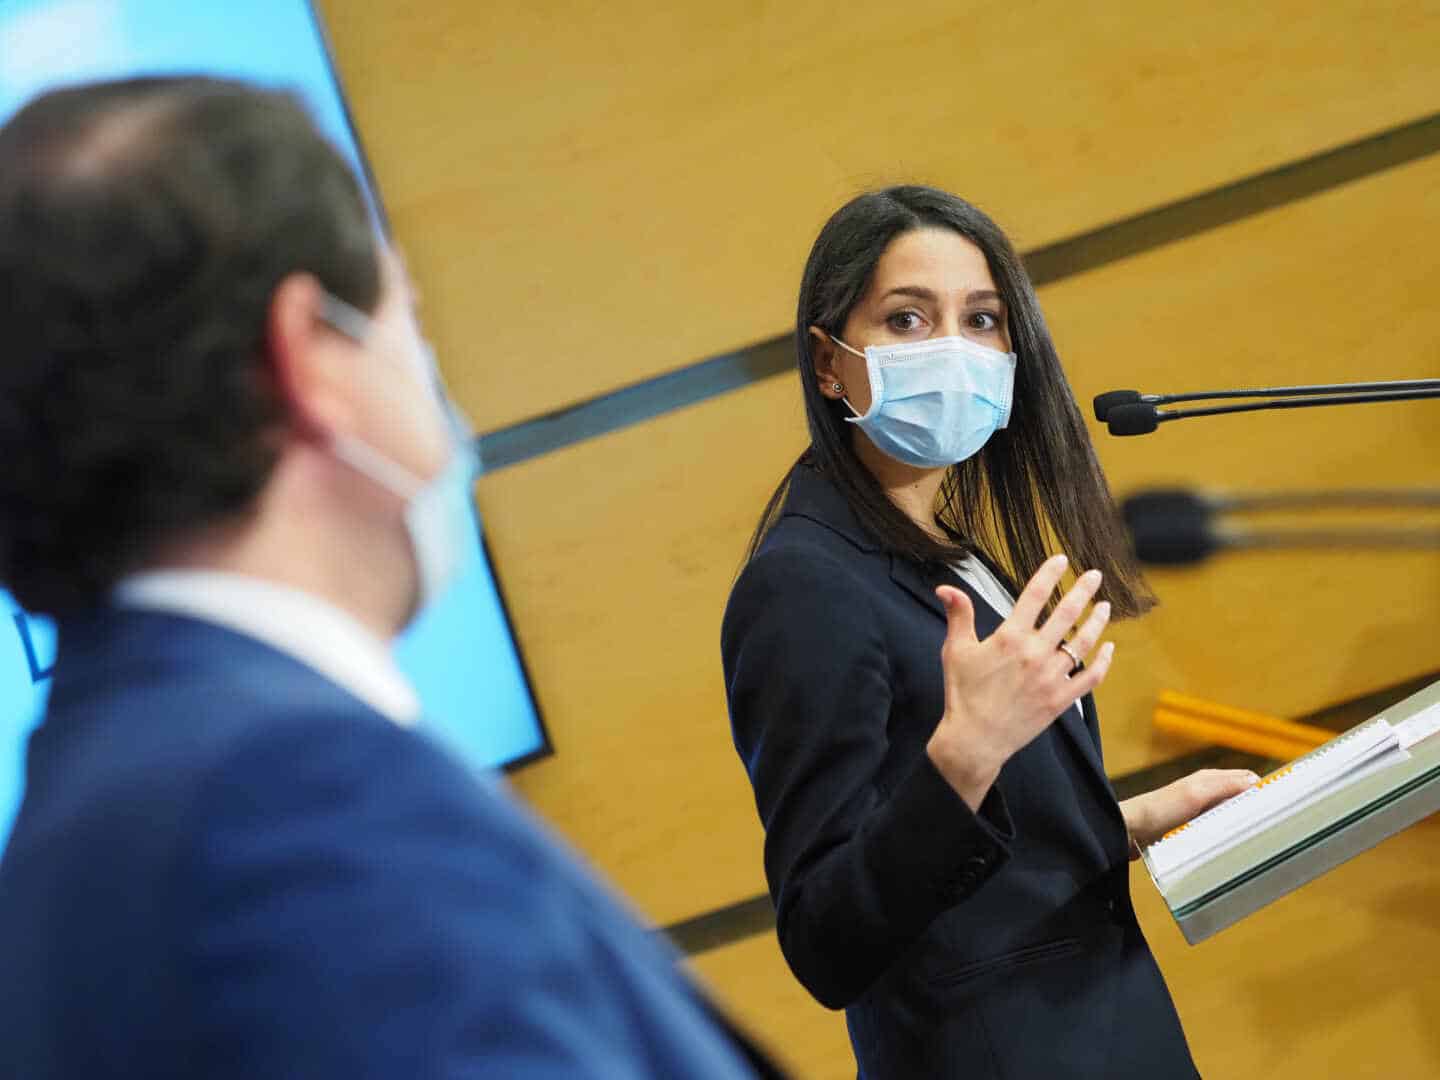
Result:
[[1035, 483]]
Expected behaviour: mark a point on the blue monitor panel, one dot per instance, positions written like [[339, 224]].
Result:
[[27, 652], [461, 654]]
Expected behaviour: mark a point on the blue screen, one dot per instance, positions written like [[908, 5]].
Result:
[[27, 652], [461, 653]]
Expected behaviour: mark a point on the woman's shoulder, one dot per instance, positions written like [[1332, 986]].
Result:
[[805, 569], [797, 541]]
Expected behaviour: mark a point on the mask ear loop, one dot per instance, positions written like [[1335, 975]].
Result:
[[855, 413], [349, 320], [395, 478]]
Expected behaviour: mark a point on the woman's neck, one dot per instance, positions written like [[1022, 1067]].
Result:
[[913, 490]]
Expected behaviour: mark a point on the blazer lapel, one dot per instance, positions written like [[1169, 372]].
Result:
[[1072, 722], [908, 576]]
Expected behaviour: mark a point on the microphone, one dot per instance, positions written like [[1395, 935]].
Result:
[[1141, 418], [1177, 527], [1107, 401], [1171, 527], [1134, 419]]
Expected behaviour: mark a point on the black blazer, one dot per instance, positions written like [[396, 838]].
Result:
[[993, 944]]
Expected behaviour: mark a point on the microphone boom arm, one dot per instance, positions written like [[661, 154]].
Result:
[[1141, 418]]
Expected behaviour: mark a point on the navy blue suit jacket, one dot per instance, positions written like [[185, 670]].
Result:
[[993, 944], [226, 866]]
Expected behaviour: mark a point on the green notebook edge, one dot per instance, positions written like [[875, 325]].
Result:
[[1316, 840]]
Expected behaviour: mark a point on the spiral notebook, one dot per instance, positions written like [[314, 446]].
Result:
[[1302, 820]]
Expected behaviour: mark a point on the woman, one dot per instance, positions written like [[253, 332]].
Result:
[[946, 855]]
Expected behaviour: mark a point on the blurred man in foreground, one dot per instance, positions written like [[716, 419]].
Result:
[[231, 476]]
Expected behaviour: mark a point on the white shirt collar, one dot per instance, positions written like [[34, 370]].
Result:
[[301, 625]]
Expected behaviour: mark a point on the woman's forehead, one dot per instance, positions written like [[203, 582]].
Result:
[[940, 260]]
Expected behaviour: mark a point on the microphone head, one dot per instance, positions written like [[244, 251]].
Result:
[[1170, 527], [1133, 419], [1108, 400]]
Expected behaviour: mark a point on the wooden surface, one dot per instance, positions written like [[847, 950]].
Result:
[[617, 555], [591, 194], [751, 982], [1335, 288]]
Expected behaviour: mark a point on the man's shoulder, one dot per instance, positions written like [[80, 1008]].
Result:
[[301, 830], [152, 678], [251, 750], [149, 712]]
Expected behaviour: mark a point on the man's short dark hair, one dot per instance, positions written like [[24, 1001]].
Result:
[[144, 226]]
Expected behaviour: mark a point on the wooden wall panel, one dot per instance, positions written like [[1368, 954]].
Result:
[[617, 556], [591, 194], [1339, 287], [618, 553], [750, 981]]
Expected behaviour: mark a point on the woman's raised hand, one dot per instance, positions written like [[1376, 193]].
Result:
[[1002, 692]]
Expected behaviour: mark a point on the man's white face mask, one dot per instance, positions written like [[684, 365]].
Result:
[[440, 513]]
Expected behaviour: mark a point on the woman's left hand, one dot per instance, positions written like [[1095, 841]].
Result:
[[1150, 816]]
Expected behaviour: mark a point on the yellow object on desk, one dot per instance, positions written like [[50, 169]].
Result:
[[1239, 729]]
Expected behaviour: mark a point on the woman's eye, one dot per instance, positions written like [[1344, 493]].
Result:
[[904, 320], [984, 320]]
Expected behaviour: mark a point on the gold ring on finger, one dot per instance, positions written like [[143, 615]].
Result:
[[1075, 663]]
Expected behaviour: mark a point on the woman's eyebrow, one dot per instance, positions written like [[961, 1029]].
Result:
[[922, 293], [917, 291]]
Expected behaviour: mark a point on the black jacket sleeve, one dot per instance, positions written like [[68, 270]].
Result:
[[857, 873]]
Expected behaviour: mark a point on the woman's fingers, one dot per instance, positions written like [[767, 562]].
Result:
[[1037, 592], [1088, 636], [1152, 815], [959, 616], [1093, 675], [1001, 693], [1067, 613], [1203, 789]]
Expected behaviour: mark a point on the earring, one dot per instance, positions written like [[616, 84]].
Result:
[[837, 387]]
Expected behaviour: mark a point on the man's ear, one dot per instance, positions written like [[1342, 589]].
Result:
[[306, 359]]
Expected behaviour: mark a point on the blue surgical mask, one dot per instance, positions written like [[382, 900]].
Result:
[[439, 513], [934, 403]]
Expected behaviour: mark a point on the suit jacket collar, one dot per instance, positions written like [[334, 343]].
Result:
[[313, 631], [814, 496], [109, 646]]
